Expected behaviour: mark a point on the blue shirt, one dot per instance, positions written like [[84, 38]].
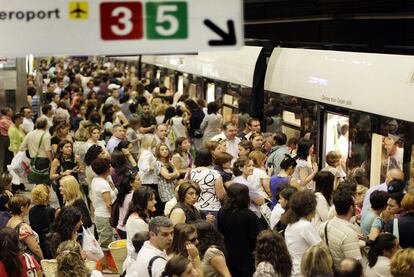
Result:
[[275, 182]]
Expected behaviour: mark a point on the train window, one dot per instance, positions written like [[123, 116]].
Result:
[[180, 86], [290, 118], [337, 136], [387, 153], [211, 92]]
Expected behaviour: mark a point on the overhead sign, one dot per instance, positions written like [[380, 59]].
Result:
[[108, 27]]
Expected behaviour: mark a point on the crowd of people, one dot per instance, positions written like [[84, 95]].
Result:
[[192, 193]]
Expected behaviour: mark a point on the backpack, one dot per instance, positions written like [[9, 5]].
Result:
[[4, 218], [151, 261], [114, 219]]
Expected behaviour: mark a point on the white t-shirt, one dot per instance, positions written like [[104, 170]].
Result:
[[255, 181], [99, 186], [205, 178], [276, 214], [254, 195], [322, 211], [299, 236], [134, 225]]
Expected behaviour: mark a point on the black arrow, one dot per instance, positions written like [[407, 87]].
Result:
[[227, 38]]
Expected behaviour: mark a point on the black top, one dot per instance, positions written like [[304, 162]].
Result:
[[405, 228], [86, 218], [41, 217], [196, 118], [240, 229], [67, 164], [190, 215], [4, 200], [54, 140], [148, 121], [226, 176]]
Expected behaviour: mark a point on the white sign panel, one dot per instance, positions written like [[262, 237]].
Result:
[[58, 27]]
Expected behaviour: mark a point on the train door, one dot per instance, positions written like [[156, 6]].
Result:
[[336, 137]]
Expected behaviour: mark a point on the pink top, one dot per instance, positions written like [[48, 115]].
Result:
[[123, 211]]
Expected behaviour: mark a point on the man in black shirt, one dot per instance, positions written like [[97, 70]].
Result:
[[147, 120]]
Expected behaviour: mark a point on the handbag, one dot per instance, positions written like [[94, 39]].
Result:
[[90, 245], [38, 176], [198, 133]]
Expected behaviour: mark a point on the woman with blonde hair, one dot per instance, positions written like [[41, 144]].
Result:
[[402, 263], [71, 261], [41, 215], [146, 165], [70, 190], [259, 180], [317, 261]]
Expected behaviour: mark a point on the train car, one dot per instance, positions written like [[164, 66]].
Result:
[[225, 77], [354, 103]]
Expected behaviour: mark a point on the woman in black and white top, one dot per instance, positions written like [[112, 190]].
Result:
[[210, 182]]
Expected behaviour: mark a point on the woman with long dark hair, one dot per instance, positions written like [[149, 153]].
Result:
[[380, 253], [182, 159], [271, 255], [65, 227], [240, 226], [167, 174], [212, 249], [65, 163], [210, 182], [197, 116], [137, 217], [13, 262], [305, 170], [123, 199], [324, 184]]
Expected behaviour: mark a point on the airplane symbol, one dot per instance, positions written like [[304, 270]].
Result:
[[78, 10]]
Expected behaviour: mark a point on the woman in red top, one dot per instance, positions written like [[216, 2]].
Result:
[[13, 262]]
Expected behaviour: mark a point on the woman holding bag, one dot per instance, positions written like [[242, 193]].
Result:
[[103, 194]]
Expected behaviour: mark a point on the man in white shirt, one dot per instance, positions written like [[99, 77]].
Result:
[[118, 135], [339, 233], [55, 102], [152, 257], [393, 174], [161, 133], [113, 99], [252, 126], [27, 124], [229, 135]]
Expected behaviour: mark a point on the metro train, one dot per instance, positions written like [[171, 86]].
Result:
[[356, 103]]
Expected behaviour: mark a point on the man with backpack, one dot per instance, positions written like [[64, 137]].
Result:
[[152, 257]]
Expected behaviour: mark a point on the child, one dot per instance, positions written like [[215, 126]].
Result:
[[137, 241]]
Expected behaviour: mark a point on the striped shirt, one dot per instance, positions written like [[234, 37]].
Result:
[[343, 240]]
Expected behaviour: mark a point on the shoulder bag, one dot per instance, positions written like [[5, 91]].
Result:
[[37, 176]]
